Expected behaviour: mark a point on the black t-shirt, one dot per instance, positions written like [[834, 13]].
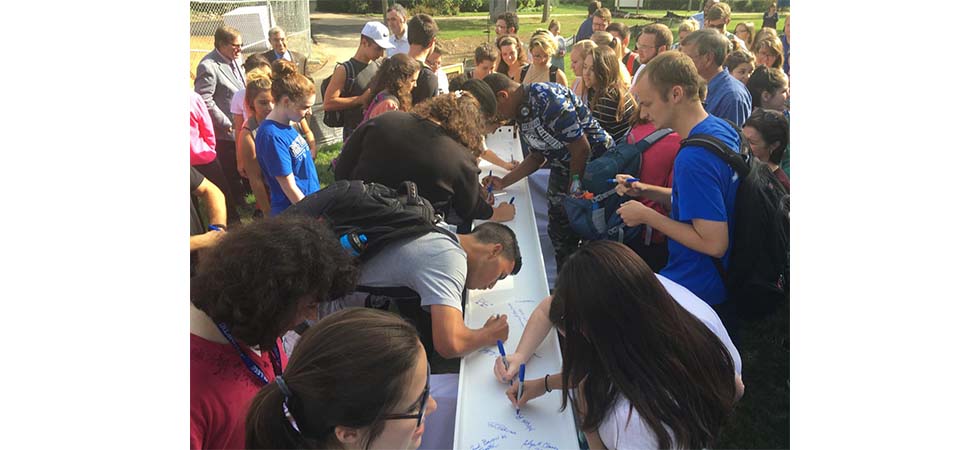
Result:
[[426, 87], [197, 226], [397, 146]]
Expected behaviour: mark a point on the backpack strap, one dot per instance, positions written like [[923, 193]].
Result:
[[656, 136], [720, 149], [524, 71], [553, 74], [349, 81]]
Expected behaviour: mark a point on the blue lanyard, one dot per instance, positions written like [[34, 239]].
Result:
[[249, 363]]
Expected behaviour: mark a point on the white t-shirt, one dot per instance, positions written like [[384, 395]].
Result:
[[238, 104], [443, 82], [623, 428]]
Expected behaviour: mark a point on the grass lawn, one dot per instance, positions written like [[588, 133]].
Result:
[[460, 36]]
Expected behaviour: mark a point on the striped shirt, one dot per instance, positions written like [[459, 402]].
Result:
[[604, 112]]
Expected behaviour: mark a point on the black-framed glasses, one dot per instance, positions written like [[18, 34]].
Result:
[[424, 399]]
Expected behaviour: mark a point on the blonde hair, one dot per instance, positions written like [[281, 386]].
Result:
[[257, 82], [544, 41], [607, 39], [584, 46], [688, 25]]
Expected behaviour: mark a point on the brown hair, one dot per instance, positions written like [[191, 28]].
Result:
[[256, 60], [738, 57], [422, 30], [224, 35], [673, 68], [395, 76], [625, 335], [258, 82], [510, 20], [505, 40], [750, 26], [765, 79], [775, 46], [604, 38], [460, 115], [485, 52], [350, 369], [287, 82], [620, 29], [609, 82], [662, 35], [603, 13]]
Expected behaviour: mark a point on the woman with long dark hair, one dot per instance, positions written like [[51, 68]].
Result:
[[610, 100], [651, 364], [359, 378], [393, 83]]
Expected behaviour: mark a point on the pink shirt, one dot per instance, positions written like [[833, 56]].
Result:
[[656, 167], [202, 132]]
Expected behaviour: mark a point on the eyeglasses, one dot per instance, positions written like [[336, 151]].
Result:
[[235, 45], [424, 399]]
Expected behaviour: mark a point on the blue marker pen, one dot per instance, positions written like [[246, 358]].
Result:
[[503, 354], [520, 387], [512, 200], [628, 180], [490, 185]]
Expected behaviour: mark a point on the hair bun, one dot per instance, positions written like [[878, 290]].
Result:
[[283, 68]]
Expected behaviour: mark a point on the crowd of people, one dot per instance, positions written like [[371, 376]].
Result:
[[647, 325]]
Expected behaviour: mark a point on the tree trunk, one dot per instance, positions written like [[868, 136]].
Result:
[[384, 8], [546, 13]]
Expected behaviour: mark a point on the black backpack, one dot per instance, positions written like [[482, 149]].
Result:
[[384, 215], [378, 212], [757, 279], [354, 84]]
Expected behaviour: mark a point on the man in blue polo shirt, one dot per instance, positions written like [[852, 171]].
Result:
[[702, 199], [555, 126], [727, 97]]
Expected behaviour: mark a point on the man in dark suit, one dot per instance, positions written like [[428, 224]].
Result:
[[219, 75], [277, 37]]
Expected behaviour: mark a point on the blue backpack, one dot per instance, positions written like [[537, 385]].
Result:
[[623, 158], [595, 218]]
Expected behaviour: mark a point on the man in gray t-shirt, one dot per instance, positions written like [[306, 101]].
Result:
[[439, 270]]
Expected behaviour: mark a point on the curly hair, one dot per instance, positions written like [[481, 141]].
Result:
[[256, 277], [395, 76], [460, 115]]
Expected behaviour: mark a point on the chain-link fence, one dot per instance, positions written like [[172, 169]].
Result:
[[253, 19]]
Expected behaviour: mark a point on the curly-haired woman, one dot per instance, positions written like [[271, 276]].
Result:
[[394, 83], [436, 146], [259, 281]]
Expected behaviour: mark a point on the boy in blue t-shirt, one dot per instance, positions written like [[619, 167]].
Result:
[[702, 199]]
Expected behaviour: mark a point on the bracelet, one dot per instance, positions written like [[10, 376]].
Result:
[[546, 389], [218, 225]]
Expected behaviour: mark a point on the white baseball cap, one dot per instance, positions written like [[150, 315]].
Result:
[[378, 32]]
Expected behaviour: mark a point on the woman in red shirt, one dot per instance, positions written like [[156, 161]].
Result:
[[261, 280]]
